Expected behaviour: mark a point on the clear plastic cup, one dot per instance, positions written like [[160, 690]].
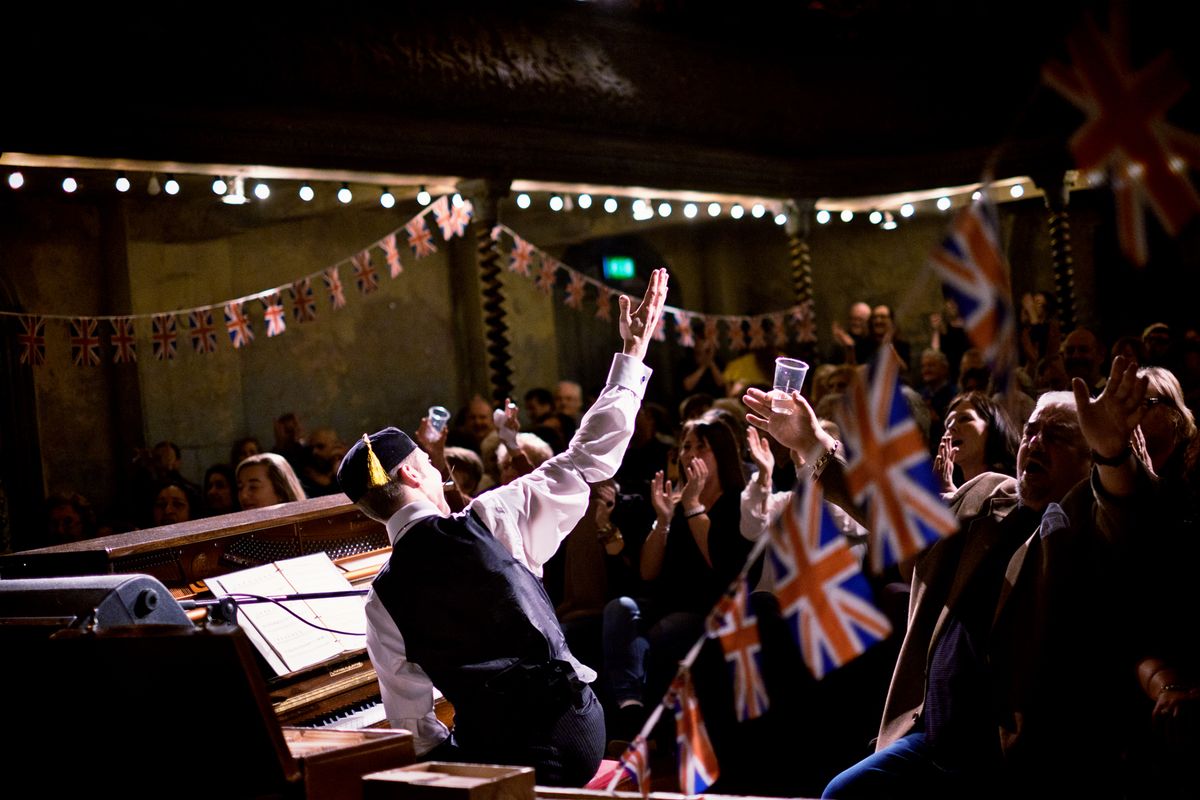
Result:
[[789, 377], [439, 417]]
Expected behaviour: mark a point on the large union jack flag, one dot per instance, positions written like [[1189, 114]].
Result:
[[1127, 130], [333, 282], [274, 314], [123, 341], [736, 628], [364, 272], [888, 467], [974, 275], [202, 332], [819, 582], [304, 302], [391, 253], [33, 340], [420, 238], [238, 325], [698, 768], [635, 767], [164, 336], [521, 260]]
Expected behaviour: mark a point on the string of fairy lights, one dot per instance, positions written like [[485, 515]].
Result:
[[885, 212]]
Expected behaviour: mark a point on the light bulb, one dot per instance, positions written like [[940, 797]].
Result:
[[585, 201], [823, 217], [219, 186], [943, 203], [690, 210], [907, 210], [781, 219], [875, 217], [423, 197], [344, 195], [122, 183], [847, 215], [523, 200], [307, 193], [262, 191], [610, 205], [16, 180], [556, 203], [69, 185], [1017, 190], [387, 199], [171, 187], [736, 211], [714, 209], [758, 210], [664, 209]]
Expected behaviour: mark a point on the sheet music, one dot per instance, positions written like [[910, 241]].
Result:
[[287, 643]]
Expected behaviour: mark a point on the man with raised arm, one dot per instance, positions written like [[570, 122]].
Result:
[[460, 605], [1014, 665]]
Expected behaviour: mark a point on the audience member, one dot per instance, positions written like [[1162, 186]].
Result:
[[267, 479], [568, 400], [220, 490], [466, 469], [243, 448], [980, 437], [174, 502], [1156, 338], [322, 455], [853, 342], [69, 518], [1083, 357], [290, 440], [707, 377], [472, 424]]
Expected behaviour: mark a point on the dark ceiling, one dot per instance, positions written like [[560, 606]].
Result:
[[778, 99]]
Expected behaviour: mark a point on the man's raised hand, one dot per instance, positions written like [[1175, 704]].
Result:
[[637, 326]]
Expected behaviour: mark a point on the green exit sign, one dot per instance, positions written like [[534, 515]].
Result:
[[618, 268]]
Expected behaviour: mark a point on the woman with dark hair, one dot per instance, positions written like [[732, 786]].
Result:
[[980, 437], [174, 501], [266, 479], [220, 490], [690, 557]]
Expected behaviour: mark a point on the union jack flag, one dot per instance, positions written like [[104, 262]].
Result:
[[441, 214], [974, 275], [364, 272], [85, 342], [547, 275], [683, 329], [333, 282], [756, 334], [806, 326], [420, 238], [737, 629], [304, 303], [164, 336], [604, 303], [202, 331], [575, 291], [123, 342], [779, 329], [274, 314], [737, 334], [391, 252], [238, 325], [698, 768], [522, 257], [888, 467], [635, 767], [455, 222], [1127, 129], [819, 582], [710, 330], [33, 340], [660, 330]]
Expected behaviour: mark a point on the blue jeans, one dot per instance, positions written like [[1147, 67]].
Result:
[[624, 649], [905, 769]]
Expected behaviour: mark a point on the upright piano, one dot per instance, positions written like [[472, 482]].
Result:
[[341, 693]]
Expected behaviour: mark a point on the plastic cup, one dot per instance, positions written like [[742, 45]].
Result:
[[439, 416], [789, 377]]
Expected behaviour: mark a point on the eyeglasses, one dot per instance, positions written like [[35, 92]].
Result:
[[1151, 402]]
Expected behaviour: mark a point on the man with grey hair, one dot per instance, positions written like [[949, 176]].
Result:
[[460, 606], [1011, 665]]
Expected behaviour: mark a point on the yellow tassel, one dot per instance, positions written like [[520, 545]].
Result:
[[376, 477]]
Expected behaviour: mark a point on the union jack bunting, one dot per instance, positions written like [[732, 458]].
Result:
[[698, 768], [238, 325], [660, 330], [1127, 131], [441, 215], [974, 275], [123, 342], [737, 334], [821, 589], [164, 336], [455, 223], [710, 330], [575, 289], [496, 231], [391, 253], [683, 329], [547, 275], [364, 272], [274, 314], [33, 340], [888, 467], [304, 303], [806, 326], [736, 628], [333, 282], [604, 298], [779, 330], [522, 257], [420, 238], [85, 342], [755, 334], [202, 331], [635, 767]]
